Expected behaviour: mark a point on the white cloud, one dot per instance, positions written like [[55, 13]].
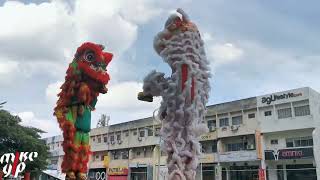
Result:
[[28, 118], [50, 32], [120, 102], [52, 90], [225, 53], [6, 67], [123, 96]]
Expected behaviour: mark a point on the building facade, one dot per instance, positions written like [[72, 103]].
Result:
[[272, 136]]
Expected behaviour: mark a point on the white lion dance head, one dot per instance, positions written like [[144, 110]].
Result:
[[185, 94]]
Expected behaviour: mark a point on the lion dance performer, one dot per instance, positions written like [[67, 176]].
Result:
[[184, 94], [86, 78]]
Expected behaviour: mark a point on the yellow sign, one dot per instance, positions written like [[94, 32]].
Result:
[[106, 161], [118, 171], [259, 144], [208, 136], [206, 158]]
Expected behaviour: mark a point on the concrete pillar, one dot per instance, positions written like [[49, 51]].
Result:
[[228, 173], [272, 173], [316, 148], [218, 172]]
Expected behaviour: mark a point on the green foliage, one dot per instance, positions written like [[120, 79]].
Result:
[[15, 137]]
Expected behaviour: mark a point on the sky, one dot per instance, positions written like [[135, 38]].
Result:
[[254, 48]]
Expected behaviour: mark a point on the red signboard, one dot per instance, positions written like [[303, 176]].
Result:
[[262, 174]]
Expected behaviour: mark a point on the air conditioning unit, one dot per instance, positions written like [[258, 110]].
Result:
[[112, 142], [119, 141], [234, 127], [139, 138], [212, 128], [250, 146]]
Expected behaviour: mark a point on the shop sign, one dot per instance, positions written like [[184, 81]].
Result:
[[207, 158], [235, 156], [116, 171], [269, 99], [262, 174], [208, 136], [97, 174], [295, 153]]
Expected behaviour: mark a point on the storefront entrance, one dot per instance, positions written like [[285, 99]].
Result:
[[208, 172], [301, 171], [244, 172], [139, 173]]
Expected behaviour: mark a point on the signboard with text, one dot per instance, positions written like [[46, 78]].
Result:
[[294, 153], [283, 97]]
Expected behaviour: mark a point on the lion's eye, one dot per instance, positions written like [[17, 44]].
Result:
[[89, 56]]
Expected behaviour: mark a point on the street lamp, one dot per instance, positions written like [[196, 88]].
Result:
[[156, 118]]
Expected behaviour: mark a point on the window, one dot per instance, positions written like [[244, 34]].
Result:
[[302, 110], [211, 125], [97, 157], [284, 113], [102, 158], [274, 141], [138, 153], [141, 133], [214, 147], [105, 138], [126, 133], [157, 133], [99, 139], [111, 138], [235, 147], [224, 122], [267, 113], [251, 115], [299, 142], [115, 155], [237, 120], [125, 155], [134, 132], [150, 131], [118, 137], [93, 138]]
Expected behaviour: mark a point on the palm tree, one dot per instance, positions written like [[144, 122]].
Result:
[[1, 104]]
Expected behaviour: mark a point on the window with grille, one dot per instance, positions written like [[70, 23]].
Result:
[[237, 120], [150, 131], [211, 125], [302, 110], [141, 133], [118, 137], [126, 133], [299, 142], [134, 132], [267, 113], [274, 141], [214, 147], [105, 138], [224, 122], [235, 147], [99, 139], [112, 138], [125, 155], [284, 113], [157, 133], [251, 115]]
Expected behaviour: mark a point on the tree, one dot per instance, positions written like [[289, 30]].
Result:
[[15, 137]]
